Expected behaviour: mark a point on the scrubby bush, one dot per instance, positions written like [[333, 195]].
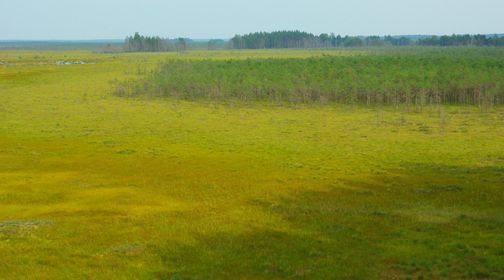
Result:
[[464, 77]]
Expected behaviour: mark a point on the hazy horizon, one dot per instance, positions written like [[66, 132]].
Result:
[[222, 19]]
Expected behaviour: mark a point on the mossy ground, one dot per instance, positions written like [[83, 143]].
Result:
[[97, 186]]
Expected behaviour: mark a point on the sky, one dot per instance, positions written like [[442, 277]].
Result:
[[203, 19]]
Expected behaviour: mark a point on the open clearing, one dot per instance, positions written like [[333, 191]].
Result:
[[96, 186]]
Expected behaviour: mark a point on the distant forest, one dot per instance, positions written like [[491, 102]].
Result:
[[299, 39], [139, 43]]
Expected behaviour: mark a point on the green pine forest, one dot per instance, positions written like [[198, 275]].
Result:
[[414, 76], [299, 39]]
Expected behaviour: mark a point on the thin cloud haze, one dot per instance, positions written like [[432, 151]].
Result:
[[94, 19]]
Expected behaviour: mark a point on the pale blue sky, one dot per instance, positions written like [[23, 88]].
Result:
[[114, 19]]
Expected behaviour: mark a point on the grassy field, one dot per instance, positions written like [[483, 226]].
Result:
[[96, 186]]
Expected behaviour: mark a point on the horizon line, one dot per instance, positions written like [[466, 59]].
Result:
[[220, 38]]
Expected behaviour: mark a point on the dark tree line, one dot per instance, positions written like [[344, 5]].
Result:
[[463, 40], [279, 39], [298, 39], [139, 43]]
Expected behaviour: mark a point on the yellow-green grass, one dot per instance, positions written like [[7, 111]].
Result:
[[96, 186]]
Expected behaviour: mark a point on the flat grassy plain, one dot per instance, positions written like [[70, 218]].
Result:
[[95, 186]]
